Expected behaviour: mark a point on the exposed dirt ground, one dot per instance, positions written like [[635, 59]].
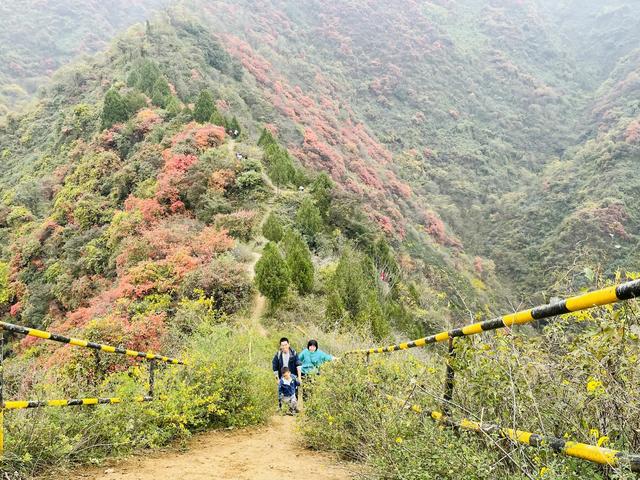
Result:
[[265, 453]]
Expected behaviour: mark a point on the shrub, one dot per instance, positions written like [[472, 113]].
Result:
[[308, 219], [248, 180], [224, 281], [239, 224], [272, 228], [204, 107], [298, 258], [226, 384], [272, 274], [115, 109]]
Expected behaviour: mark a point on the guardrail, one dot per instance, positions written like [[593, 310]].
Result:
[[151, 357], [592, 453], [605, 296], [584, 451]]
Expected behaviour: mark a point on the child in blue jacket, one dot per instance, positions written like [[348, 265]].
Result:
[[287, 387]]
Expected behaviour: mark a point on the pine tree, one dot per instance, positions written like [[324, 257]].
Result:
[[161, 92], [272, 274], [115, 108], [173, 107], [218, 119], [298, 258], [272, 228], [373, 316], [135, 101], [266, 138], [204, 107], [281, 169], [350, 287], [147, 75], [321, 193], [308, 219]]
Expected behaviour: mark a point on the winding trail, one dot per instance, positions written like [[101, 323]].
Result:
[[263, 453], [270, 452]]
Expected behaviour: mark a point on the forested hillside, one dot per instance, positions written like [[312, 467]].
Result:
[[473, 101], [37, 38], [374, 170], [136, 196]]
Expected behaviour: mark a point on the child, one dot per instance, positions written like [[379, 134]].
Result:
[[287, 387]]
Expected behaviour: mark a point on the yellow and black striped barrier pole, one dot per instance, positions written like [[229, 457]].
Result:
[[22, 404], [10, 327], [605, 296], [584, 451]]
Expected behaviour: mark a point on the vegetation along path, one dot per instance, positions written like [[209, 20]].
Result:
[[263, 453]]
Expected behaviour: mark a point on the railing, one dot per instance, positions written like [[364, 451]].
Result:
[[151, 357], [592, 453]]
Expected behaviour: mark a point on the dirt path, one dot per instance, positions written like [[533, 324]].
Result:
[[266, 453]]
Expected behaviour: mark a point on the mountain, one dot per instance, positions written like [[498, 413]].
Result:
[[459, 119], [38, 37], [376, 171], [469, 108]]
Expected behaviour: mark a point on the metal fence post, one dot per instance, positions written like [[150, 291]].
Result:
[[1, 396], [448, 385], [152, 371]]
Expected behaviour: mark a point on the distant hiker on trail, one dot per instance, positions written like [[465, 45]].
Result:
[[287, 389], [285, 357], [312, 357]]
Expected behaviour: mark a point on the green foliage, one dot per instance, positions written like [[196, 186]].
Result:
[[204, 108], [309, 219], [5, 292], [218, 119], [115, 109], [249, 180], [272, 274], [280, 167], [266, 138], [223, 281], [380, 413], [144, 76], [234, 127], [161, 94], [272, 228], [321, 189], [225, 385], [353, 297], [298, 258]]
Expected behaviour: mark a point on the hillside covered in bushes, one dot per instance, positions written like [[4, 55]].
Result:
[[225, 173]]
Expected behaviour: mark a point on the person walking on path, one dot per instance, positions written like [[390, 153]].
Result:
[[286, 357], [312, 357], [287, 390]]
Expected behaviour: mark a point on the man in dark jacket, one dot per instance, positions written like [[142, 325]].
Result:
[[286, 357]]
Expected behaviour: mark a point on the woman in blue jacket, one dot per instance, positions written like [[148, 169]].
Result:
[[312, 357]]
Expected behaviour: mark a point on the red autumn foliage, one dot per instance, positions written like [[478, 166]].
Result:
[[385, 224], [15, 309], [175, 167], [209, 136], [149, 208], [478, 265], [221, 179], [435, 228], [145, 120], [211, 241], [200, 136], [632, 133]]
